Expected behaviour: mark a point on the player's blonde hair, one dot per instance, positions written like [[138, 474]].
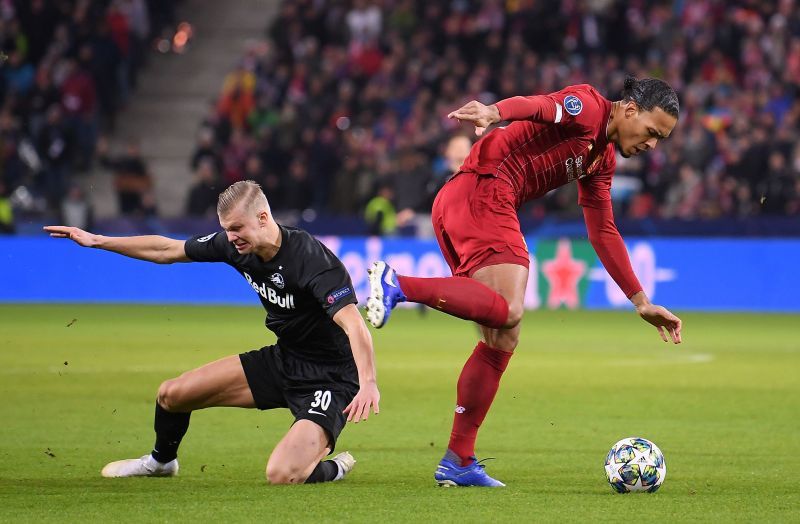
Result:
[[247, 192]]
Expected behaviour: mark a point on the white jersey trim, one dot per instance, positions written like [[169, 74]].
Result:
[[559, 113]]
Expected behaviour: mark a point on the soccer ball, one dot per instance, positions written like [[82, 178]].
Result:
[[635, 464]]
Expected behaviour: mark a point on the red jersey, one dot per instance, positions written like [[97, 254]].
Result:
[[553, 140]]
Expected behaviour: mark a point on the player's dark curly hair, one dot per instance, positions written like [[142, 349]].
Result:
[[649, 93]]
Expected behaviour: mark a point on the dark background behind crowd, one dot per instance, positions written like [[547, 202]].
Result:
[[69, 67], [346, 101]]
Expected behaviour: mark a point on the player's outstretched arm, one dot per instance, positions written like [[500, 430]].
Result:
[[538, 108], [610, 249], [658, 316], [482, 116], [349, 319], [153, 248]]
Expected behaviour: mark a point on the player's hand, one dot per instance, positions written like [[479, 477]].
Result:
[[368, 396], [79, 236], [482, 116], [664, 321]]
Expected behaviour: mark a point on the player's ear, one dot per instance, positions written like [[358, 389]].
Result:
[[263, 219], [631, 109]]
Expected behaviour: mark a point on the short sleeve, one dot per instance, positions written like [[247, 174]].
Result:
[[329, 282], [208, 248]]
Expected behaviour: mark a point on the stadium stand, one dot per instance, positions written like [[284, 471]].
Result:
[[341, 98], [69, 68], [346, 97]]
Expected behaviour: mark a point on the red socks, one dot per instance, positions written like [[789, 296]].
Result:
[[476, 389], [471, 300], [461, 297]]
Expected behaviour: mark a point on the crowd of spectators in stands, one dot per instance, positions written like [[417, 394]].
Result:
[[344, 99], [68, 67]]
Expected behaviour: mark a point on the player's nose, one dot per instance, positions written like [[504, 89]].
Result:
[[651, 144]]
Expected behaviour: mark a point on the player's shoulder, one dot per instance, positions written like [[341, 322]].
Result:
[[583, 102], [304, 243], [207, 247], [298, 238]]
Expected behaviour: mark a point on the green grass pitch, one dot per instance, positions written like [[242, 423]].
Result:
[[78, 386]]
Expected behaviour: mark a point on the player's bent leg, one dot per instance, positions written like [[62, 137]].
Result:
[[460, 297], [509, 281], [299, 455], [220, 383], [480, 379]]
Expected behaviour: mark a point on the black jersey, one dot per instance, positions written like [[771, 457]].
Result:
[[301, 287]]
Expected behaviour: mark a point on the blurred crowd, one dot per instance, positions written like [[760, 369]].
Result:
[[67, 68], [345, 102]]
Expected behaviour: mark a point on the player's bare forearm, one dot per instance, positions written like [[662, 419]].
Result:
[[368, 396], [349, 319], [152, 248]]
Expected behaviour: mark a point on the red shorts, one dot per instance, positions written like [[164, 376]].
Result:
[[475, 220]]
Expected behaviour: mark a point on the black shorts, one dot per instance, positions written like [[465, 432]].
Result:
[[314, 391]]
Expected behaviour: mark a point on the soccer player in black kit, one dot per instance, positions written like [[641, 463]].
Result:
[[321, 368]]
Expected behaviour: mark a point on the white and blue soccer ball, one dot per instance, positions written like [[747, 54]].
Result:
[[635, 464]]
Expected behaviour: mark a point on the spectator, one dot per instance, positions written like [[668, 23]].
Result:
[[380, 213], [55, 143], [297, 192], [6, 211], [206, 149], [18, 75], [78, 97], [203, 195], [132, 181], [76, 210]]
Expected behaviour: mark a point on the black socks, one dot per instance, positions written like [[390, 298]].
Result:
[[170, 429], [325, 471]]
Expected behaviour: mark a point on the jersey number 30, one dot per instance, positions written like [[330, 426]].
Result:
[[322, 399]]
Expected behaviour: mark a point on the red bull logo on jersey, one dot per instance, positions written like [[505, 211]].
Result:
[[285, 301]]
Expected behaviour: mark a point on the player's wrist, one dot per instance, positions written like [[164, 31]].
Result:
[[495, 114], [96, 241], [639, 300]]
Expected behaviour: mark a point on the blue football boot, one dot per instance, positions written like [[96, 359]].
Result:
[[450, 475], [384, 293]]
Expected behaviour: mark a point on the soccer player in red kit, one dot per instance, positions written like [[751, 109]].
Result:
[[552, 140]]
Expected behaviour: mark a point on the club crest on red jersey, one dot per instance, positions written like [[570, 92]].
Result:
[[573, 105]]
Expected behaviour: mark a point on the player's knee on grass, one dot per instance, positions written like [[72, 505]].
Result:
[[278, 473]]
